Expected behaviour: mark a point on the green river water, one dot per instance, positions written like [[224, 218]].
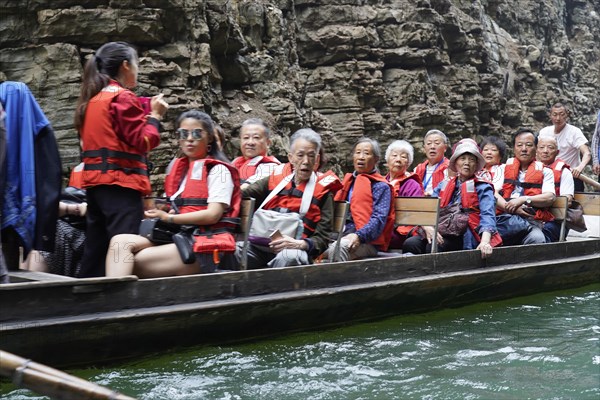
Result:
[[545, 346]]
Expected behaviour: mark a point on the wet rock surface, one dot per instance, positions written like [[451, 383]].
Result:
[[388, 69]]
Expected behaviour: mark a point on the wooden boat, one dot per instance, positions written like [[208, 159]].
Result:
[[67, 322]]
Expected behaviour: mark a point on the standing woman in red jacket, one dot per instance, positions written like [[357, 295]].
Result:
[[116, 134]]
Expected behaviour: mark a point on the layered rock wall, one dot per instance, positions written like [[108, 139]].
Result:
[[384, 68]]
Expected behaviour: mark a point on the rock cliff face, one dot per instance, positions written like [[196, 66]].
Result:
[[384, 68]]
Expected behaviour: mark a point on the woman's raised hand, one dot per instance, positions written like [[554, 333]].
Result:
[[158, 106]]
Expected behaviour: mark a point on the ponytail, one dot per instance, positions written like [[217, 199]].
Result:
[[98, 71]]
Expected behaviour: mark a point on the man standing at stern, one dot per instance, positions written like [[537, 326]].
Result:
[[572, 144]]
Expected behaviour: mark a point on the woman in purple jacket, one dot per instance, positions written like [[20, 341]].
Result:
[[399, 156]]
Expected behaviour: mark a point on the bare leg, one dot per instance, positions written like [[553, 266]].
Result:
[[120, 258], [163, 260], [35, 262]]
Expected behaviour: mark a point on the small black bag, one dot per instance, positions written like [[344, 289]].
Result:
[[185, 245], [158, 231]]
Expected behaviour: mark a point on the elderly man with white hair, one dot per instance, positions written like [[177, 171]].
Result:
[[283, 191], [435, 169], [547, 151]]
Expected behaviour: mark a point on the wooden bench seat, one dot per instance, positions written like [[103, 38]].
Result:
[[424, 211], [590, 202]]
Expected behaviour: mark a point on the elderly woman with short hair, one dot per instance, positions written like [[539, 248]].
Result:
[[473, 196], [371, 217], [399, 156]]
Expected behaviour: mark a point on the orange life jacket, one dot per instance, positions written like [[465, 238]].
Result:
[[469, 202], [557, 168], [195, 194], [247, 166], [437, 176], [532, 185], [361, 204], [76, 178], [290, 197], [108, 160]]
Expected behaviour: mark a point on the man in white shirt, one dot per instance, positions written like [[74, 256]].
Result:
[[526, 195], [571, 142]]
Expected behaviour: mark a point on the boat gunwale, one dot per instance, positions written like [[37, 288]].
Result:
[[30, 301], [471, 255], [213, 305]]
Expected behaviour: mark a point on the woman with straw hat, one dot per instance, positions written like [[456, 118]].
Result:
[[472, 201]]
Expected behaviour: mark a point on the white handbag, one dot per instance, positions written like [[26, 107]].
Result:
[[264, 222]]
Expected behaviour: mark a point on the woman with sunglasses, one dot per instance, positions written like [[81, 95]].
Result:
[[116, 134], [204, 192]]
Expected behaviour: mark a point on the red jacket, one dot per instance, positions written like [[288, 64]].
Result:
[[532, 185], [108, 159], [469, 201], [361, 204], [557, 168], [195, 195], [290, 197], [247, 166], [438, 175]]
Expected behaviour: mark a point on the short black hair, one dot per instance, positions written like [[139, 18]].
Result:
[[522, 131], [496, 141]]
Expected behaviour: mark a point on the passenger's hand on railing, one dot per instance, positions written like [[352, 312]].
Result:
[[484, 246]]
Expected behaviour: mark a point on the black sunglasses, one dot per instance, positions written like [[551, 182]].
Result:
[[183, 134]]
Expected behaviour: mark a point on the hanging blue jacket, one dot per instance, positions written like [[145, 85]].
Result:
[[24, 120]]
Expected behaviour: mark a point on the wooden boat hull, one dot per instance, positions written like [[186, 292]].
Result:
[[75, 322]]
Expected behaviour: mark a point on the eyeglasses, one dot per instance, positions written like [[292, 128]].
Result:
[[183, 134]]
